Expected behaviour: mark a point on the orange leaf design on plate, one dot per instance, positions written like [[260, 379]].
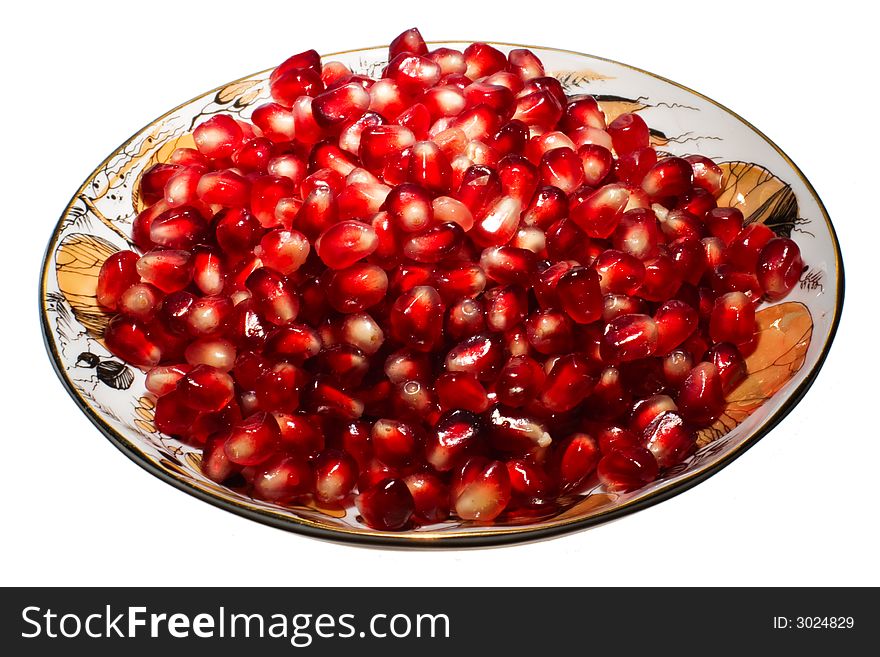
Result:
[[78, 260], [784, 334], [759, 195], [160, 155], [613, 106]]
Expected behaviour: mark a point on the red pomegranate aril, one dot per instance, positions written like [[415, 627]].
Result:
[[129, 339], [568, 383], [266, 193], [644, 410], [631, 168], [582, 111], [480, 489], [237, 231], [387, 505], [276, 122], [299, 433], [511, 137], [288, 84], [151, 186], [429, 167], [779, 267], [335, 476], [580, 295], [461, 390], [218, 137], [359, 200], [629, 133], [172, 415], [162, 379], [530, 238], [208, 315], [408, 41], [355, 288], [578, 457], [416, 318], [282, 479], [700, 396], [140, 301], [449, 210], [296, 342], [181, 188], [435, 243], [707, 174], [215, 465], [515, 432], [539, 109], [224, 187], [346, 102], [677, 364], [630, 337], [562, 168], [626, 468], [208, 270], [519, 178], [408, 276], [413, 73], [273, 296], [596, 163], [253, 440], [662, 279], [669, 439], [395, 443], [169, 270], [409, 206], [520, 381], [600, 212], [253, 155], [216, 352], [457, 279], [285, 251], [326, 398], [550, 332], [207, 389], [724, 223], [671, 176], [347, 365], [345, 243], [498, 224], [430, 497], [689, 258], [745, 249], [507, 264], [530, 485], [638, 234], [505, 307], [478, 354], [464, 319], [118, 273], [733, 319], [675, 321], [407, 365], [730, 364], [619, 272], [361, 330], [456, 436], [278, 388]]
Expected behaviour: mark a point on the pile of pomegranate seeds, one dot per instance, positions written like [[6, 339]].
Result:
[[453, 290]]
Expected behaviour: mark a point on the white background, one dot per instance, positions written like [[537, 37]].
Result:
[[801, 507]]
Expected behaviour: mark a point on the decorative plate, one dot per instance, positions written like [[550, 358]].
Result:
[[759, 178]]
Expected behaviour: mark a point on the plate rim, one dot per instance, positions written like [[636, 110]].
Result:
[[439, 539]]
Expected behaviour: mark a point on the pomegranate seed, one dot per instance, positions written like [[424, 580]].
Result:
[[299, 434], [629, 133], [465, 319], [434, 244], [580, 295], [631, 168], [506, 264], [416, 318], [540, 109], [218, 137], [505, 307], [645, 410], [409, 276], [498, 224], [129, 339], [405, 365], [627, 467], [578, 458], [724, 223], [630, 337], [671, 176], [274, 299], [520, 380], [707, 174], [457, 436], [355, 288], [153, 180], [568, 383], [345, 243], [335, 476], [253, 440], [350, 135], [599, 213], [409, 41], [478, 354], [118, 273], [562, 168], [296, 342], [700, 396], [282, 478], [733, 319], [548, 206], [216, 352], [550, 332], [409, 206], [518, 177], [461, 390], [215, 465], [395, 443], [583, 111], [413, 73], [480, 489], [344, 103], [388, 505], [675, 321], [661, 279], [779, 267], [429, 167], [276, 122], [619, 272], [163, 379], [525, 64], [451, 62], [207, 315], [205, 388], [730, 364], [669, 439], [638, 234], [511, 137], [449, 210], [182, 188], [677, 365], [278, 388], [430, 497]]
